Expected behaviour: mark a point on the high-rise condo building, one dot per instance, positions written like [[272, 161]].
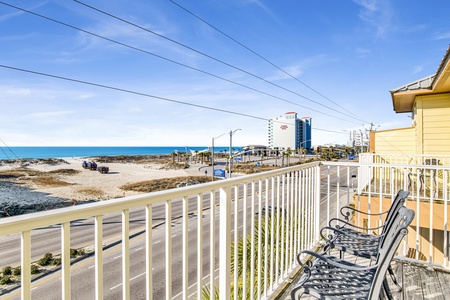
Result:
[[289, 131]]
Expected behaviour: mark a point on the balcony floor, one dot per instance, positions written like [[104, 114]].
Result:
[[418, 281]]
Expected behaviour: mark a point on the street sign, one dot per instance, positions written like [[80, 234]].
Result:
[[219, 172]]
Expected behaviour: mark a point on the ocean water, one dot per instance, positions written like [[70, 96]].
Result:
[[67, 152]]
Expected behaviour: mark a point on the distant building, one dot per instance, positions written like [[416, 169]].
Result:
[[289, 131], [255, 149], [358, 140], [305, 135]]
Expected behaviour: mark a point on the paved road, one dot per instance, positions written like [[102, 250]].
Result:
[[82, 232]]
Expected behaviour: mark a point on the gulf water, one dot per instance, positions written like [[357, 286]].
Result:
[[68, 152]]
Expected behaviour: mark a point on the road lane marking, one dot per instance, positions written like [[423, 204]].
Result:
[[15, 250], [117, 257], [193, 285], [137, 276], [57, 276], [116, 286], [140, 248]]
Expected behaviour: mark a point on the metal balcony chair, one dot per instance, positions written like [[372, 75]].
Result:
[[328, 277], [348, 237], [423, 173]]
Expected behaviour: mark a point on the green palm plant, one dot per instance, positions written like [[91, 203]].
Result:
[[288, 155], [245, 247]]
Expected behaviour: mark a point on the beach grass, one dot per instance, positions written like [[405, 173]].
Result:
[[164, 183], [49, 181], [65, 172], [92, 192]]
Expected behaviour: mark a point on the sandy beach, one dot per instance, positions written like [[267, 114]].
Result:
[[107, 186], [79, 185]]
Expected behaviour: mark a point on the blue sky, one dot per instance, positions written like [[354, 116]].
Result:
[[346, 55]]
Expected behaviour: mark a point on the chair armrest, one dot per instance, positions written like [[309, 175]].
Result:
[[332, 262], [348, 224], [347, 214], [337, 232]]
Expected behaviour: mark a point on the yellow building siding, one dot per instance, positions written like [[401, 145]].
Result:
[[400, 141], [434, 123]]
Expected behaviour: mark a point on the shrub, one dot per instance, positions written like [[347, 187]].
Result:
[[73, 252], [56, 261], [6, 270], [76, 252], [6, 280], [46, 260], [35, 269], [17, 271]]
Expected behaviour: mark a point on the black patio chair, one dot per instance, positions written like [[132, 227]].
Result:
[[348, 237], [328, 277]]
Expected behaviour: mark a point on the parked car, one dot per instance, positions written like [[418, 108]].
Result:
[[103, 169], [352, 157], [89, 165]]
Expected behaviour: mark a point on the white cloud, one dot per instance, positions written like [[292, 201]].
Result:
[[298, 68], [85, 96], [48, 115], [442, 36], [362, 52], [378, 14], [417, 69], [16, 91], [19, 12]]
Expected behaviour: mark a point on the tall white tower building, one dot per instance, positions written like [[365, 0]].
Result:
[[289, 131]]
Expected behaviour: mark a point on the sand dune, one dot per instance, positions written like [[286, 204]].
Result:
[[87, 185]]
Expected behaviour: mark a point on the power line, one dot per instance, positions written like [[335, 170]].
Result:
[[148, 95], [10, 150], [217, 60], [171, 61], [257, 54], [6, 155]]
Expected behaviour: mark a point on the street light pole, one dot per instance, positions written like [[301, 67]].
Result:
[[212, 154], [212, 160], [231, 143]]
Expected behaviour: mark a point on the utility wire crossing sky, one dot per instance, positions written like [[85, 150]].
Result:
[[166, 73]]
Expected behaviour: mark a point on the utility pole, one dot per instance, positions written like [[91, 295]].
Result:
[[361, 137], [212, 160], [231, 142]]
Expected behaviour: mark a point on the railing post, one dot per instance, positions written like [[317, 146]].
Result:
[[26, 265], [65, 260], [168, 249], [317, 203], [126, 254], [185, 249], [225, 243], [98, 257], [200, 242], [149, 251]]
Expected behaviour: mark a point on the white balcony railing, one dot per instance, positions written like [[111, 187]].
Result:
[[236, 238]]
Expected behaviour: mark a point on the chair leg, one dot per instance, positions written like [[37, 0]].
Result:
[[394, 279], [386, 289], [409, 180], [421, 182]]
